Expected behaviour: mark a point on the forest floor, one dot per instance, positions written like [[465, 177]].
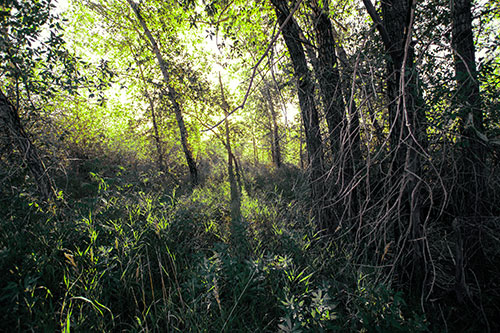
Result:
[[124, 250]]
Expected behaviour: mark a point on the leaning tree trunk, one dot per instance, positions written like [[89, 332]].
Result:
[[171, 93], [156, 136], [14, 133], [314, 146]]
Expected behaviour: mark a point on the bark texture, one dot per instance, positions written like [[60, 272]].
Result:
[[329, 78], [470, 196], [343, 126], [406, 133], [471, 163], [291, 34]]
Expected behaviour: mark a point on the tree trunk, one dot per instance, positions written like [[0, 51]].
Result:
[[291, 34], [329, 78], [470, 197], [346, 83], [343, 133], [471, 164], [231, 164], [10, 123], [301, 145], [254, 145], [406, 131], [237, 228], [276, 150], [172, 94], [153, 118]]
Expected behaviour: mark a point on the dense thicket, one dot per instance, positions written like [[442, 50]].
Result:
[[250, 165]]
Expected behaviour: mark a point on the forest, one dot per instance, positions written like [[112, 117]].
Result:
[[249, 165]]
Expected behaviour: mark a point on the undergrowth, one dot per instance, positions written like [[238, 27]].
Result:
[[119, 252]]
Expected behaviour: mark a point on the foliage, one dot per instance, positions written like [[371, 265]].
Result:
[[126, 245], [126, 256]]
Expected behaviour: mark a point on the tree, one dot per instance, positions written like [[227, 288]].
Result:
[[343, 126], [468, 99], [329, 77], [469, 197], [171, 92], [267, 103], [406, 129], [156, 136], [305, 87], [15, 135], [33, 69], [237, 229]]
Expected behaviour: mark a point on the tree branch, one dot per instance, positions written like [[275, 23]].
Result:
[[255, 67], [378, 23]]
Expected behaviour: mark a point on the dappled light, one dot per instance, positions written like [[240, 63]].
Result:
[[249, 166]]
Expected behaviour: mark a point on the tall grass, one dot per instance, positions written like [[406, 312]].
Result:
[[119, 253]]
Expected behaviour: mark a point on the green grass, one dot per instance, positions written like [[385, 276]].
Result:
[[126, 254]]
